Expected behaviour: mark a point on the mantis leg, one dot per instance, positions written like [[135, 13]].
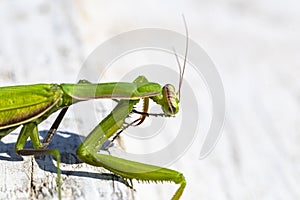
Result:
[[48, 138], [138, 121], [87, 152], [7, 131], [30, 130]]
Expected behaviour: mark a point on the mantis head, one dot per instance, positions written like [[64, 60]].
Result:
[[171, 100]]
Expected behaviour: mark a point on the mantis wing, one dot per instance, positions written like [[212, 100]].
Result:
[[21, 104]]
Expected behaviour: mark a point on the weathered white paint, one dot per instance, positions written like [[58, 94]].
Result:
[[255, 46]]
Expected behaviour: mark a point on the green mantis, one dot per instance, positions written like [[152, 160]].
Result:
[[29, 105]]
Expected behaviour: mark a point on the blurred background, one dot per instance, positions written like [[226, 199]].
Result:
[[255, 46]]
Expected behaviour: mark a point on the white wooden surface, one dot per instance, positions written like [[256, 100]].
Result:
[[255, 46], [40, 43]]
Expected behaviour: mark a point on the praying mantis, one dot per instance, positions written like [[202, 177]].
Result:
[[29, 105]]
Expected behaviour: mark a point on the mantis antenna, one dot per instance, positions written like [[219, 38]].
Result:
[[181, 70]]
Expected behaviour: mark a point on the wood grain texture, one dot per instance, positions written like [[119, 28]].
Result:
[[255, 46], [39, 44]]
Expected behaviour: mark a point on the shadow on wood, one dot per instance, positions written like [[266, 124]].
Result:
[[67, 144]]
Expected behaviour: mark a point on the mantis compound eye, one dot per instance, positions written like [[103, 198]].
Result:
[[170, 106]]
